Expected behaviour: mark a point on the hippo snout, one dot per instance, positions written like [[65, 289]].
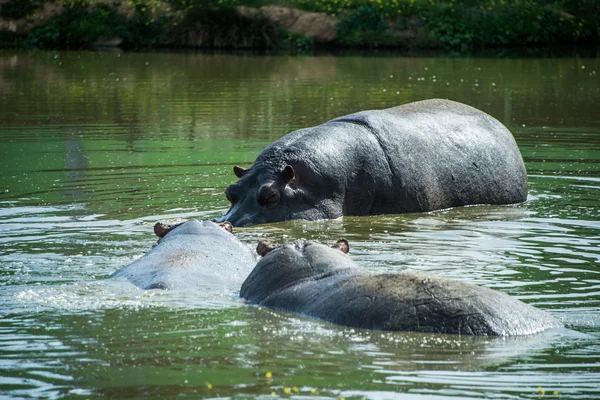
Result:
[[234, 219]]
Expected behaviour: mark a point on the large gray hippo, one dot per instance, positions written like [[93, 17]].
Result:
[[422, 156], [191, 255], [322, 282]]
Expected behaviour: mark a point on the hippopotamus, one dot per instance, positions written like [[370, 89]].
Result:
[[190, 255], [423, 156], [322, 282]]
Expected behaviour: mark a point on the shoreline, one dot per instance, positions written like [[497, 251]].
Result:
[[226, 24]]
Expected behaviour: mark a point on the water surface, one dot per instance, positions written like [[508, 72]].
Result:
[[97, 146]]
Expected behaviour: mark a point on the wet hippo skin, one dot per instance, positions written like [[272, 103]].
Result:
[[190, 255], [321, 282], [422, 156]]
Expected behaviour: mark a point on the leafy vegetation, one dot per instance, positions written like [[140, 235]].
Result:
[[466, 24], [453, 24], [223, 26], [15, 9], [364, 25]]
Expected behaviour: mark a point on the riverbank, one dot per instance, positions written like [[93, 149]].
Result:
[[299, 25]]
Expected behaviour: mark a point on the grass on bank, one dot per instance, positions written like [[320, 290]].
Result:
[[453, 24]]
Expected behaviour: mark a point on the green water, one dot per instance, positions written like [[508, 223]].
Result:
[[97, 146]]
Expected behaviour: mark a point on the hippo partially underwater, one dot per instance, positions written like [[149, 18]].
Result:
[[324, 283], [422, 156], [191, 255]]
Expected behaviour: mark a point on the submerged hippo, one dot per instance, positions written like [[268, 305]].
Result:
[[421, 156], [321, 282], [190, 255]]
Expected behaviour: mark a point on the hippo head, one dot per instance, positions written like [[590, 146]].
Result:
[[162, 229], [270, 193], [304, 247], [282, 265], [170, 232]]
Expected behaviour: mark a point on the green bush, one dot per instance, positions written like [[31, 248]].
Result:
[[142, 31], [364, 26], [452, 24], [10, 39], [44, 36], [16, 9], [296, 43], [462, 26], [224, 27], [80, 25]]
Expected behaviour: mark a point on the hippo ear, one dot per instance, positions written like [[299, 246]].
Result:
[[288, 173], [239, 171], [161, 229], [227, 226], [263, 248], [342, 245]]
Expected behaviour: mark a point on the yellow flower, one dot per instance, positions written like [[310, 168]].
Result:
[[268, 375], [209, 386], [295, 389], [287, 390]]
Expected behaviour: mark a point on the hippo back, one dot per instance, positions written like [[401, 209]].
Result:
[[192, 255], [415, 302], [442, 154], [323, 283]]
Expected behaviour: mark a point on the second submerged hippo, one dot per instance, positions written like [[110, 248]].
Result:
[[423, 156], [322, 282], [191, 255]]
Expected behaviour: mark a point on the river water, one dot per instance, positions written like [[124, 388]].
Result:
[[97, 146]]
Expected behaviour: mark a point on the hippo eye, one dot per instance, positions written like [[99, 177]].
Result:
[[268, 196]]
